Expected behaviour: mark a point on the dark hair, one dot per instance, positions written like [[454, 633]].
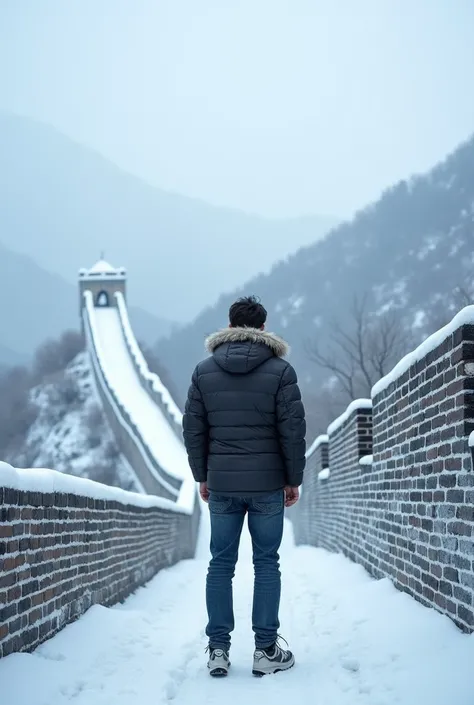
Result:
[[247, 312]]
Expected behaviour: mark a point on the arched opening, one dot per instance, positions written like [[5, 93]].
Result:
[[102, 299]]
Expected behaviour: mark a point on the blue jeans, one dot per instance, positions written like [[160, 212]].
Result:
[[265, 521]]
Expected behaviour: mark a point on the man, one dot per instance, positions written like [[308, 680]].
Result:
[[244, 430]]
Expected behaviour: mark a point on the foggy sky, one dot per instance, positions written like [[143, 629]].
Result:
[[281, 107]]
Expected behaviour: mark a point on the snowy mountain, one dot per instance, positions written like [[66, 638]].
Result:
[[36, 305], [407, 254], [70, 433], [63, 203]]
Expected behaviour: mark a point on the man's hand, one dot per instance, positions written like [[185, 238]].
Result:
[[203, 491], [292, 495]]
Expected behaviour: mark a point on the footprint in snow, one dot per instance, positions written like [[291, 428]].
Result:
[[350, 664], [171, 690]]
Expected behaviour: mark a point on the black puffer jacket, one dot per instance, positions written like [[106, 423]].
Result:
[[244, 424]]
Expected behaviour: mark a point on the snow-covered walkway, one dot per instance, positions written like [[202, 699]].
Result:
[[356, 641], [144, 411]]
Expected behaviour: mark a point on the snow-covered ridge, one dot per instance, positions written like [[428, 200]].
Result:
[[353, 406], [49, 481], [150, 377], [70, 432], [323, 438], [464, 317]]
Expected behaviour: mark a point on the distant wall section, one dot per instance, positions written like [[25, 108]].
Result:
[[153, 479]]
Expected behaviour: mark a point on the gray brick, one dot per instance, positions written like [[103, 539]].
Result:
[[410, 517]]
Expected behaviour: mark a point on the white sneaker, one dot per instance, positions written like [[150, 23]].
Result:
[[272, 660], [218, 663]]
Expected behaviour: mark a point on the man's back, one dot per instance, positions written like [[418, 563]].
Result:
[[247, 396], [244, 430]]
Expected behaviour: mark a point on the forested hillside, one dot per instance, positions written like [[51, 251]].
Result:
[[379, 282]]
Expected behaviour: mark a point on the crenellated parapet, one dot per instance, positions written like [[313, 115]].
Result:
[[398, 494]]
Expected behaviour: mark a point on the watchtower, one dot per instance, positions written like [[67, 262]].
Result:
[[103, 281]]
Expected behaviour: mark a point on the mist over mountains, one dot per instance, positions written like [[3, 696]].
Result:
[[61, 203], [36, 305]]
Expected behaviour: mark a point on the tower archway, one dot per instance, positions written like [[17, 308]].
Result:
[[102, 299]]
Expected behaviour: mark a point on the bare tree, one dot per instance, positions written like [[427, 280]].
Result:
[[17, 412], [358, 355], [94, 425], [442, 311], [322, 406], [54, 355]]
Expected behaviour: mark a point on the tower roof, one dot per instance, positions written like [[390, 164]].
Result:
[[102, 270], [102, 267]]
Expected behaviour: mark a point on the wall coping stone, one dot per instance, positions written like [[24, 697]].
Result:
[[464, 317], [353, 406], [152, 377], [51, 481], [323, 438]]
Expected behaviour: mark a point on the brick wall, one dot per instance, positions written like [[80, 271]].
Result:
[[62, 552], [409, 514], [317, 459]]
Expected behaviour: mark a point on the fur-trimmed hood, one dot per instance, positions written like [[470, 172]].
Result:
[[242, 350], [253, 335]]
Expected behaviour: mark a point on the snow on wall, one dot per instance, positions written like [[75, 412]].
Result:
[[145, 413], [49, 481], [78, 542], [464, 317], [83, 542], [69, 543], [86, 542], [315, 444], [186, 495], [149, 377], [118, 412], [399, 498], [103, 271], [316, 461], [353, 406]]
